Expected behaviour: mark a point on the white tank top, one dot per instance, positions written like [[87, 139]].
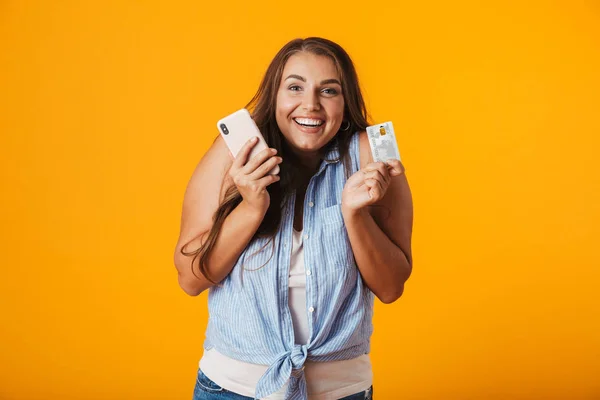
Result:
[[325, 380]]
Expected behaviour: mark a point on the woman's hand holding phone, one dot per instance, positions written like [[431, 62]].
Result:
[[251, 177]]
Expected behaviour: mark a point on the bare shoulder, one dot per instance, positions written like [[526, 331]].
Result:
[[217, 158], [212, 168], [205, 189]]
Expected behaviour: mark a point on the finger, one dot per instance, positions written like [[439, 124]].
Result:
[[242, 156], [395, 167], [375, 194], [376, 174], [264, 169], [372, 183], [381, 167], [374, 166], [384, 177], [375, 189], [258, 160], [356, 180], [267, 180]]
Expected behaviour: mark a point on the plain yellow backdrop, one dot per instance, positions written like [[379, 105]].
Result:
[[107, 106]]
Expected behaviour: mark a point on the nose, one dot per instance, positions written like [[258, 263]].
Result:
[[311, 101]]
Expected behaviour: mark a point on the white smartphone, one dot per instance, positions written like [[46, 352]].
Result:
[[239, 127]]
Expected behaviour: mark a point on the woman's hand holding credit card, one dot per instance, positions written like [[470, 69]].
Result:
[[369, 185]]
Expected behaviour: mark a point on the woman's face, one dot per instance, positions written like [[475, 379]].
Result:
[[310, 104]]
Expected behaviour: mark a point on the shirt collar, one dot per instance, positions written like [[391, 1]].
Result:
[[333, 155]]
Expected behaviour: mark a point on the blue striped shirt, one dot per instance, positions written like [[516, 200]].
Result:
[[249, 315]]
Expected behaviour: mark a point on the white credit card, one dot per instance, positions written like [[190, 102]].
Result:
[[383, 142]]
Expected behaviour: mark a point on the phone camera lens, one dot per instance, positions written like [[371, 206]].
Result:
[[224, 129]]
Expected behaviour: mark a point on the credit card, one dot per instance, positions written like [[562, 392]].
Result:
[[383, 142]]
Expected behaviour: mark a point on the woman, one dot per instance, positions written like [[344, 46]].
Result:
[[293, 262]]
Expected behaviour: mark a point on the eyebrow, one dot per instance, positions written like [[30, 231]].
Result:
[[324, 82]]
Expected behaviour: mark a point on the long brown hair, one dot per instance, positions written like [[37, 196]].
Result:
[[263, 106]]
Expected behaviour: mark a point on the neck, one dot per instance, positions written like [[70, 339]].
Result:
[[306, 163]]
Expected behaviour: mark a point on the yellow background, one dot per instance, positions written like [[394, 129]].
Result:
[[107, 106]]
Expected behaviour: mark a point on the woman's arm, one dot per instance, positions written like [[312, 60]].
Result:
[[380, 235], [204, 193]]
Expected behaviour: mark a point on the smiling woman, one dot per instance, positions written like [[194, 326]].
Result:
[[297, 324], [310, 104]]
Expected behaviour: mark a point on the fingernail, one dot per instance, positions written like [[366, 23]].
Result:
[[254, 139]]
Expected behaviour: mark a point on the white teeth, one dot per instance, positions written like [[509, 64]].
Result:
[[309, 121]]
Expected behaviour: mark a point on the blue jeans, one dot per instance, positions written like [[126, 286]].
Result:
[[208, 390]]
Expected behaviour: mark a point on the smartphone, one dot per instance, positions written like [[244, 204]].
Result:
[[239, 127]]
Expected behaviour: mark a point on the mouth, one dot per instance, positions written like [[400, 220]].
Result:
[[309, 122]]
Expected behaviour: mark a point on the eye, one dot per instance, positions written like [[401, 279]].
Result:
[[294, 88], [330, 91]]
